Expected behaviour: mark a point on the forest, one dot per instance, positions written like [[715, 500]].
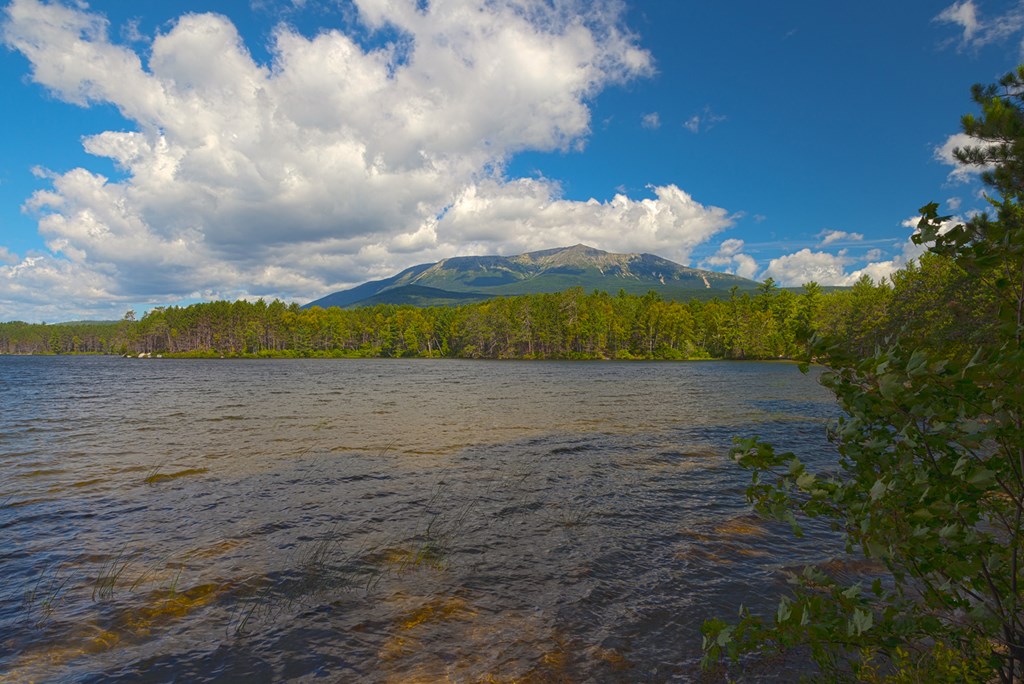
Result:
[[771, 323]]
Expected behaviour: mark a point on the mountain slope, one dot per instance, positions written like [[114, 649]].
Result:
[[473, 278]]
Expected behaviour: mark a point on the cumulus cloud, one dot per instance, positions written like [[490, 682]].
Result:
[[944, 154], [527, 214], [335, 162], [878, 268], [7, 257], [804, 266], [54, 289], [730, 247], [828, 237], [731, 259], [826, 268]]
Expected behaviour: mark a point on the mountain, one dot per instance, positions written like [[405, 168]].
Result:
[[475, 278]]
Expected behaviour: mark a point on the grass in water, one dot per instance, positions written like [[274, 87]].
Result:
[[42, 599], [108, 578], [323, 570]]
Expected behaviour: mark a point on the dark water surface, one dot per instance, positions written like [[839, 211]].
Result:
[[383, 520]]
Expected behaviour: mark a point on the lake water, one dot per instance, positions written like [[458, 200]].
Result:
[[385, 520]]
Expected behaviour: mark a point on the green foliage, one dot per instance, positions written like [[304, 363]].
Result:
[[572, 324], [939, 664], [68, 338], [930, 481], [936, 299]]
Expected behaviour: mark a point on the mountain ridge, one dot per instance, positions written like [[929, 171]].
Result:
[[462, 279]]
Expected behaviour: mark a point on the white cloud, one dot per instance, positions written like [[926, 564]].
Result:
[[947, 225], [730, 256], [965, 15], [332, 163], [976, 31], [944, 153], [54, 289], [651, 121], [793, 270], [826, 268], [746, 266], [730, 247], [828, 237], [7, 257], [527, 214]]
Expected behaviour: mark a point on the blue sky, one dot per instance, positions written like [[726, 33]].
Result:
[[161, 153]]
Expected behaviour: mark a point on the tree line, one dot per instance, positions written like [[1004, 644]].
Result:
[[768, 323]]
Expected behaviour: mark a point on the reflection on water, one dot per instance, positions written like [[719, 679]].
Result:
[[384, 520]]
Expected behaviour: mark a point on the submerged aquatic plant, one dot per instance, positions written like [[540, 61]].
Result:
[[107, 580], [155, 477], [42, 599], [321, 571]]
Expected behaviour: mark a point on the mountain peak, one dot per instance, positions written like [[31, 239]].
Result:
[[550, 270], [580, 247], [578, 254]]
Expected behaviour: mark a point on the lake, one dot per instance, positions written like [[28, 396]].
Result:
[[386, 520]]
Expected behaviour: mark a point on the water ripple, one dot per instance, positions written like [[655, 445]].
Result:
[[385, 520]]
